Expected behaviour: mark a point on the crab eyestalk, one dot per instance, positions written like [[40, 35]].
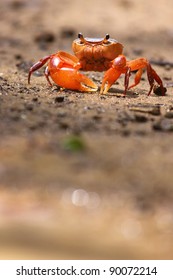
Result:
[[106, 38], [81, 37]]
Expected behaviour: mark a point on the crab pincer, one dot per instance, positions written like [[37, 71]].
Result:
[[63, 69]]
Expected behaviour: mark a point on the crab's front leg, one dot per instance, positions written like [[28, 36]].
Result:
[[111, 75], [140, 64]]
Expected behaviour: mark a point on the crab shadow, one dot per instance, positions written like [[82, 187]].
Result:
[[113, 92], [120, 93]]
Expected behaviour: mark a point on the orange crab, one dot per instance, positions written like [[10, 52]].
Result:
[[95, 54]]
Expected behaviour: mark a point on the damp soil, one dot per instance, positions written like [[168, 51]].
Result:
[[84, 175]]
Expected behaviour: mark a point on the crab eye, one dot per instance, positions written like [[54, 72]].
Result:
[[106, 39], [82, 40], [80, 35]]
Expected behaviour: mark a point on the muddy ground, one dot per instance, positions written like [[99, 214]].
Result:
[[84, 176]]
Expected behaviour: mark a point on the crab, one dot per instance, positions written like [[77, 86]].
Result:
[[95, 54]]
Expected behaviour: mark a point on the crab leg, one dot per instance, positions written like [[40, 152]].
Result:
[[140, 64], [47, 74], [137, 78], [37, 66]]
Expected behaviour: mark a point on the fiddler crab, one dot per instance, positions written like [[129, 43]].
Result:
[[95, 54]]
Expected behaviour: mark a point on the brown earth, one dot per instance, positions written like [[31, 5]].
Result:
[[84, 176]]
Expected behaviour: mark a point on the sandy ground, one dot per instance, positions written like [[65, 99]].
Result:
[[84, 176]]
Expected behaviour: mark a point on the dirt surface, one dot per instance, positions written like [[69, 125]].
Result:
[[84, 176]]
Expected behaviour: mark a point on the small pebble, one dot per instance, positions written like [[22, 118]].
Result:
[[164, 125], [140, 118], [169, 115], [59, 99]]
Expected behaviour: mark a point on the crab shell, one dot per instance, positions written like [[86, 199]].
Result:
[[96, 54]]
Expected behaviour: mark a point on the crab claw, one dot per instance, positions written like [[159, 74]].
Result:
[[63, 69], [109, 78], [70, 78], [86, 84], [118, 67], [111, 75]]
